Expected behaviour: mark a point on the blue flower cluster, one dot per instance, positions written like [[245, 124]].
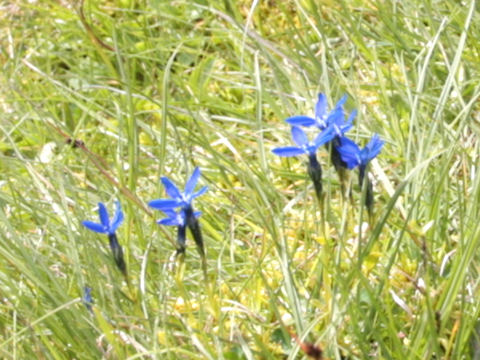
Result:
[[344, 152], [183, 218], [178, 208]]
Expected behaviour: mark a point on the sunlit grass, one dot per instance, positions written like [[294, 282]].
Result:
[[174, 85]]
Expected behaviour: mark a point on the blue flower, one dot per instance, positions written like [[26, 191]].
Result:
[[178, 198], [349, 152], [310, 148], [87, 298], [186, 217], [353, 156], [105, 227], [303, 145], [371, 150], [337, 121], [324, 119]]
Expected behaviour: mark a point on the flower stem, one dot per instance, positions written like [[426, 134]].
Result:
[[315, 173], [181, 239], [117, 252], [339, 166], [194, 226], [365, 181]]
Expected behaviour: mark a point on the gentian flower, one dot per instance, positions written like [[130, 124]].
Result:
[[353, 156], [187, 216], [310, 148], [87, 298], [109, 228], [178, 198], [323, 118]]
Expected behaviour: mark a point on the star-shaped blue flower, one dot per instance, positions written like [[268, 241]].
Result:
[[178, 198], [186, 217], [109, 228], [303, 145], [87, 298], [105, 226], [324, 119], [353, 156]]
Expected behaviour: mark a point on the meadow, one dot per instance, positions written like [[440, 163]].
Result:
[[99, 101]]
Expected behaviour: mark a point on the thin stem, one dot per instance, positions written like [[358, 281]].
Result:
[[117, 252], [194, 226], [365, 181], [181, 239], [315, 173]]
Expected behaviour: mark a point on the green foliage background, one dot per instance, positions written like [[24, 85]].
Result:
[[154, 88]]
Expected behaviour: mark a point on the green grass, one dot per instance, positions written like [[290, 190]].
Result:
[[208, 83]]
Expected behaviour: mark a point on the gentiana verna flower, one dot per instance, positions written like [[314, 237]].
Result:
[[186, 217], [303, 145], [87, 298], [109, 228], [105, 226], [178, 198], [310, 148], [324, 119], [353, 156]]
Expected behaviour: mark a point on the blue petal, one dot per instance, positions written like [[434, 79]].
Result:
[[342, 101], [336, 117], [288, 151], [299, 136], [103, 214], [351, 117], [192, 182], [343, 129], [94, 227], [169, 212], [349, 152], [197, 214], [170, 188], [170, 221], [321, 108], [200, 192], [300, 120], [375, 145], [349, 159], [117, 218], [372, 149], [324, 137], [173, 218], [163, 204], [348, 145], [349, 124]]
